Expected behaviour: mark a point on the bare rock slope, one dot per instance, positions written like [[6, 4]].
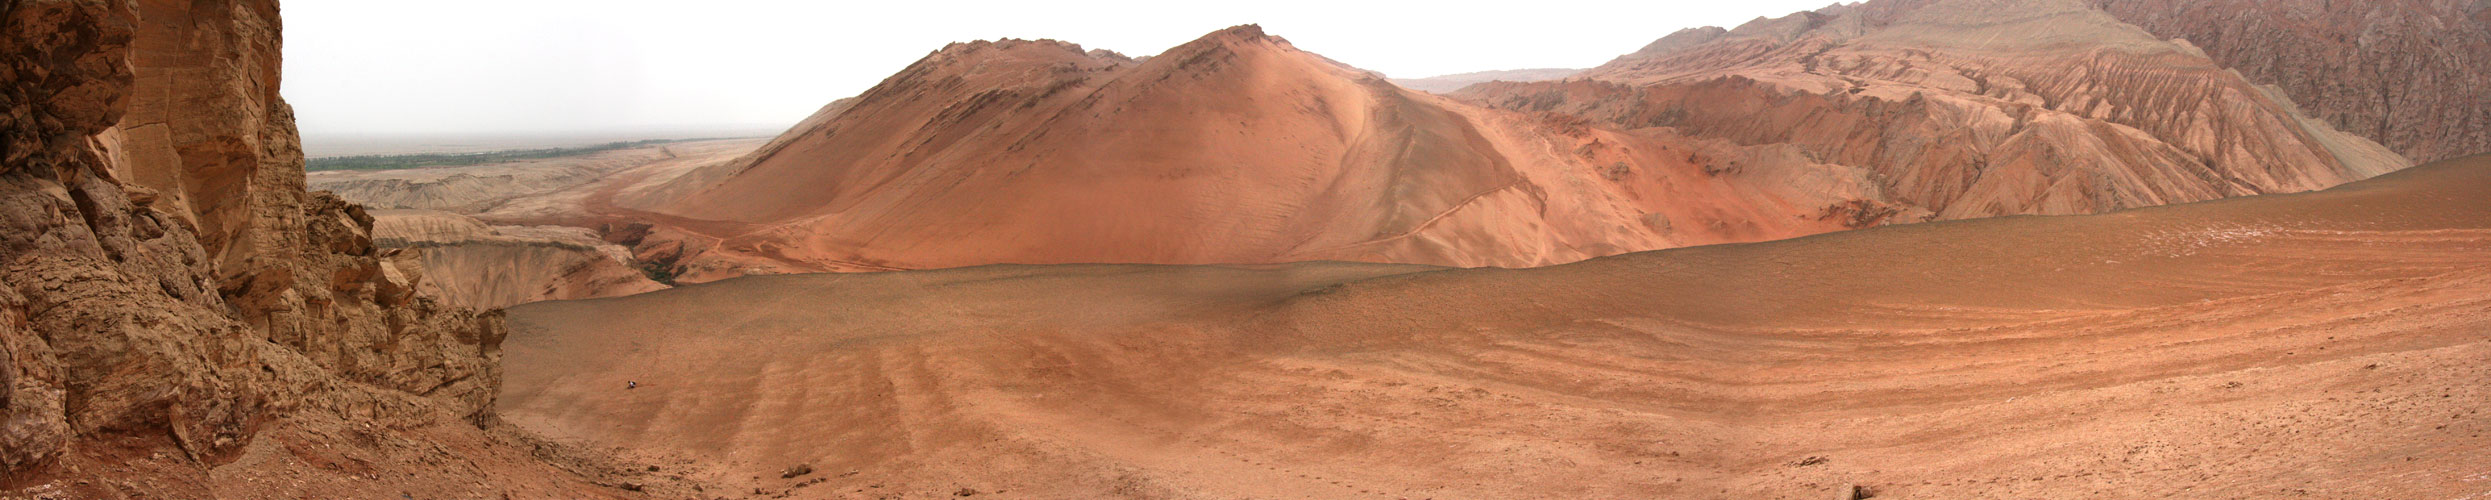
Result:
[[468, 263], [501, 234], [179, 318], [1961, 108], [2411, 74]]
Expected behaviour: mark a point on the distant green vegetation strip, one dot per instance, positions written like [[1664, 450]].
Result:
[[393, 162]]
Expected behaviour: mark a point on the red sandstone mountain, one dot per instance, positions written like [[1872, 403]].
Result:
[[1240, 148], [2412, 74], [1963, 108], [1235, 148]]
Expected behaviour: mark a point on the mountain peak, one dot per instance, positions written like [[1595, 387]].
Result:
[[1239, 35], [1239, 32]]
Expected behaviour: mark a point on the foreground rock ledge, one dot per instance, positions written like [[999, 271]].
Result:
[[179, 317]]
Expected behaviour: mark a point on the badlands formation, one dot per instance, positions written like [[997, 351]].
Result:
[[1970, 108], [2407, 73], [504, 234], [1234, 148], [468, 263], [1239, 269], [1240, 148], [180, 318]]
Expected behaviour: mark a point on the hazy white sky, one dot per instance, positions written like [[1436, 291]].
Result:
[[597, 66]]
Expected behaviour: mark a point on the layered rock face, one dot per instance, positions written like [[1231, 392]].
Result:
[[1235, 148], [468, 263], [2410, 74], [1961, 109], [168, 281], [501, 234]]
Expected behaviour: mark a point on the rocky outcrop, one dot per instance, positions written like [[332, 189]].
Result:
[[164, 276], [2408, 74], [467, 263], [1971, 109], [502, 234]]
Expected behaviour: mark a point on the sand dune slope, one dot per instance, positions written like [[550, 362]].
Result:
[[2326, 344]]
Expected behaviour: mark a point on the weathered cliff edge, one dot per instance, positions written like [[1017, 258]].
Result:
[[180, 318]]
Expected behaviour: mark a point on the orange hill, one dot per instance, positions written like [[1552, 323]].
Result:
[[1240, 148], [1235, 148]]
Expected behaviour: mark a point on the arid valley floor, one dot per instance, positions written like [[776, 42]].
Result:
[[1881, 249], [2326, 345]]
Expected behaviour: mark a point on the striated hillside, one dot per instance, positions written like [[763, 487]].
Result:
[[179, 318], [1966, 108], [2412, 74], [1235, 148]]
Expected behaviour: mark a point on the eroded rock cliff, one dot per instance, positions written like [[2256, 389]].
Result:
[[1971, 109], [172, 294], [2412, 74], [467, 263]]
